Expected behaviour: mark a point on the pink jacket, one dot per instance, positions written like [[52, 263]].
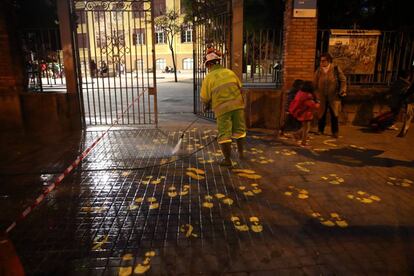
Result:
[[303, 106]]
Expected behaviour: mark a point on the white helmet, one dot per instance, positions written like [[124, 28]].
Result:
[[212, 54]]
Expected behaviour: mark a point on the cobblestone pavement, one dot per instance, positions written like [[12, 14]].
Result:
[[338, 207]]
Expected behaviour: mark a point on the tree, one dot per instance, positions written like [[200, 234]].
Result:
[[169, 24]]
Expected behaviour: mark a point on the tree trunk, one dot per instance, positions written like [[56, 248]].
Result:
[[175, 67]]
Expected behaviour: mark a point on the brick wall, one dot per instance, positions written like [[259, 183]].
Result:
[[11, 64], [299, 46]]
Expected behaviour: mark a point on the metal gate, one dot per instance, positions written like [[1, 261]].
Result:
[[212, 29], [116, 61]]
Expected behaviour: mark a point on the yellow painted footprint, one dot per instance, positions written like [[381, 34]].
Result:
[[195, 173], [255, 225], [401, 182], [250, 174], [301, 165], [330, 143], [188, 230], [286, 152], [153, 204], [145, 265], [207, 203], [302, 193], [99, 242], [262, 160], [238, 225], [333, 179], [364, 197], [205, 161], [224, 199], [334, 220], [255, 151], [126, 265], [255, 189]]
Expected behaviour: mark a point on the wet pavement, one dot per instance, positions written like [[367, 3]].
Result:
[[338, 207]]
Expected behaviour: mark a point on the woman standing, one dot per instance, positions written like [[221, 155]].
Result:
[[330, 85]]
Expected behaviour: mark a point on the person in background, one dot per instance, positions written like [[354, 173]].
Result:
[[289, 122], [330, 87], [303, 107], [221, 89]]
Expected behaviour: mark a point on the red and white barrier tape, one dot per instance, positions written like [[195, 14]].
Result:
[[67, 171]]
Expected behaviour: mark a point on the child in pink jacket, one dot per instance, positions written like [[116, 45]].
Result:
[[303, 107]]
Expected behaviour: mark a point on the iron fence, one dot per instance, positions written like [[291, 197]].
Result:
[[262, 52], [395, 52], [116, 56], [213, 31], [43, 60]]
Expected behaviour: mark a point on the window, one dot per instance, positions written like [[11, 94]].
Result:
[[188, 64], [138, 37], [160, 36], [159, 7], [160, 64], [138, 10], [83, 41], [186, 34]]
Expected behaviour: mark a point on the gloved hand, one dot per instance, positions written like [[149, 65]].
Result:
[[206, 107]]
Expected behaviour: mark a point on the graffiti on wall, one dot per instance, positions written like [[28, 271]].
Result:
[[354, 51]]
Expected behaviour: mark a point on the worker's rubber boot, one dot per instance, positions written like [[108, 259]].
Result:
[[240, 147], [226, 150]]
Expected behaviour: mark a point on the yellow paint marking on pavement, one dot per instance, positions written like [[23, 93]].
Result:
[[333, 179], [256, 226], [301, 165], [400, 182], [334, 219], [286, 152], [364, 197], [330, 143], [301, 193], [145, 265], [126, 173], [188, 230], [237, 224], [250, 176], [185, 190], [195, 176], [207, 203], [243, 171], [172, 191], [93, 209]]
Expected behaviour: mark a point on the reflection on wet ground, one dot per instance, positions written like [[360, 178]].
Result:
[[132, 208]]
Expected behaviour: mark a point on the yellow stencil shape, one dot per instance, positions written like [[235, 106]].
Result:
[[333, 179], [125, 271], [286, 152], [156, 181], [330, 143], [250, 176], [256, 226], [228, 201], [301, 193], [219, 196], [364, 197], [185, 190], [301, 165], [237, 224], [242, 188], [99, 241], [125, 173], [142, 268], [133, 207], [93, 209], [188, 230], [139, 199], [338, 220], [394, 181], [127, 257], [172, 191], [195, 176], [244, 171], [208, 203]]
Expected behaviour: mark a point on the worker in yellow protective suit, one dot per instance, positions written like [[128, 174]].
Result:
[[221, 91]]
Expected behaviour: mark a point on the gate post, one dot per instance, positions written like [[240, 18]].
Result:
[[69, 54], [299, 46], [237, 41]]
